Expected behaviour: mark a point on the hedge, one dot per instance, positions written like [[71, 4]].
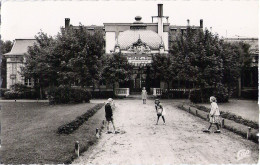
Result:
[[238, 128], [102, 94], [203, 95], [250, 94], [19, 91], [2, 91], [175, 95], [66, 94], [75, 124], [231, 116]]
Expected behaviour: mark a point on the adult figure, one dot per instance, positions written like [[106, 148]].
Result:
[[109, 114], [144, 95]]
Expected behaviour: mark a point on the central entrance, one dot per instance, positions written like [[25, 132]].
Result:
[[138, 80]]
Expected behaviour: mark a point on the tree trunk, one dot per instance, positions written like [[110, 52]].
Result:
[[93, 84], [114, 86], [40, 92], [168, 88]]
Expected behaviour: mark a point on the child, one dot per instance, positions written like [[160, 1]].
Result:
[[109, 114], [159, 110], [144, 95], [214, 114]]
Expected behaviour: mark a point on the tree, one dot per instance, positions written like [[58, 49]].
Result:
[[206, 61], [42, 63], [163, 68], [73, 57], [6, 47], [116, 69], [81, 54]]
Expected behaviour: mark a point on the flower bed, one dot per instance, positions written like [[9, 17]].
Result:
[[230, 116], [75, 124], [238, 128]]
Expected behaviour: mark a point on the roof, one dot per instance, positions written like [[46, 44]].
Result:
[[128, 37], [183, 27], [253, 42], [20, 46]]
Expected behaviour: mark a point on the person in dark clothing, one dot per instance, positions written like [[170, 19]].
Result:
[[109, 115]]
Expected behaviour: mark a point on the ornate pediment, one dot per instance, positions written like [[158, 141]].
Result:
[[139, 47]]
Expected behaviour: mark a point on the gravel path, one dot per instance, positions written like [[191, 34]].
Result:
[[181, 140]]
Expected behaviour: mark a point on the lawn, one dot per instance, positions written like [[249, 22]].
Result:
[[248, 109], [29, 132]]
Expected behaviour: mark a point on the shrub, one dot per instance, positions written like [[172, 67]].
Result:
[[202, 96], [75, 124], [199, 96], [20, 87], [250, 94], [20, 91], [12, 94], [66, 94], [175, 94], [221, 93], [2, 91], [102, 94]]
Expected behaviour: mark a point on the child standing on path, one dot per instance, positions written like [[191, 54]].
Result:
[[144, 95], [109, 107], [214, 114], [159, 110]]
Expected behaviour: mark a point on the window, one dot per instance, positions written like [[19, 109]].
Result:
[[28, 81], [14, 68]]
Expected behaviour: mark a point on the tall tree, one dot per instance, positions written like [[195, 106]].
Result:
[[163, 68], [42, 62], [205, 60], [5, 47], [81, 54], [73, 57], [116, 69]]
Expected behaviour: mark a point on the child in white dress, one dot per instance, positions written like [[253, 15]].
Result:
[[144, 95], [160, 111], [214, 115]]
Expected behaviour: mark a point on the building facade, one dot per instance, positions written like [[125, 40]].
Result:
[[138, 42], [15, 60]]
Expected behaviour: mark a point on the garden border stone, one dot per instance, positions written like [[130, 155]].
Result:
[[231, 125]]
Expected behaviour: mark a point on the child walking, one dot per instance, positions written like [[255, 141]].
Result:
[[214, 115], [159, 110]]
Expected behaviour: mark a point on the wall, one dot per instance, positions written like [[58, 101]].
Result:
[[110, 41], [14, 68]]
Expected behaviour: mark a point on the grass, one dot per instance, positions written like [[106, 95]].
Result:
[[237, 128], [248, 109], [29, 132]]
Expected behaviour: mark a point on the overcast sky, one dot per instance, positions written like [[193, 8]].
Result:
[[23, 19]]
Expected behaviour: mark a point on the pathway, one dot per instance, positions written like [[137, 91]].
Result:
[[180, 141]]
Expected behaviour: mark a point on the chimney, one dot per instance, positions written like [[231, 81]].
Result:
[[160, 20], [201, 23], [67, 22], [188, 22], [160, 10]]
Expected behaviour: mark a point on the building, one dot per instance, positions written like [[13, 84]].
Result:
[[139, 41], [248, 83], [15, 60]]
